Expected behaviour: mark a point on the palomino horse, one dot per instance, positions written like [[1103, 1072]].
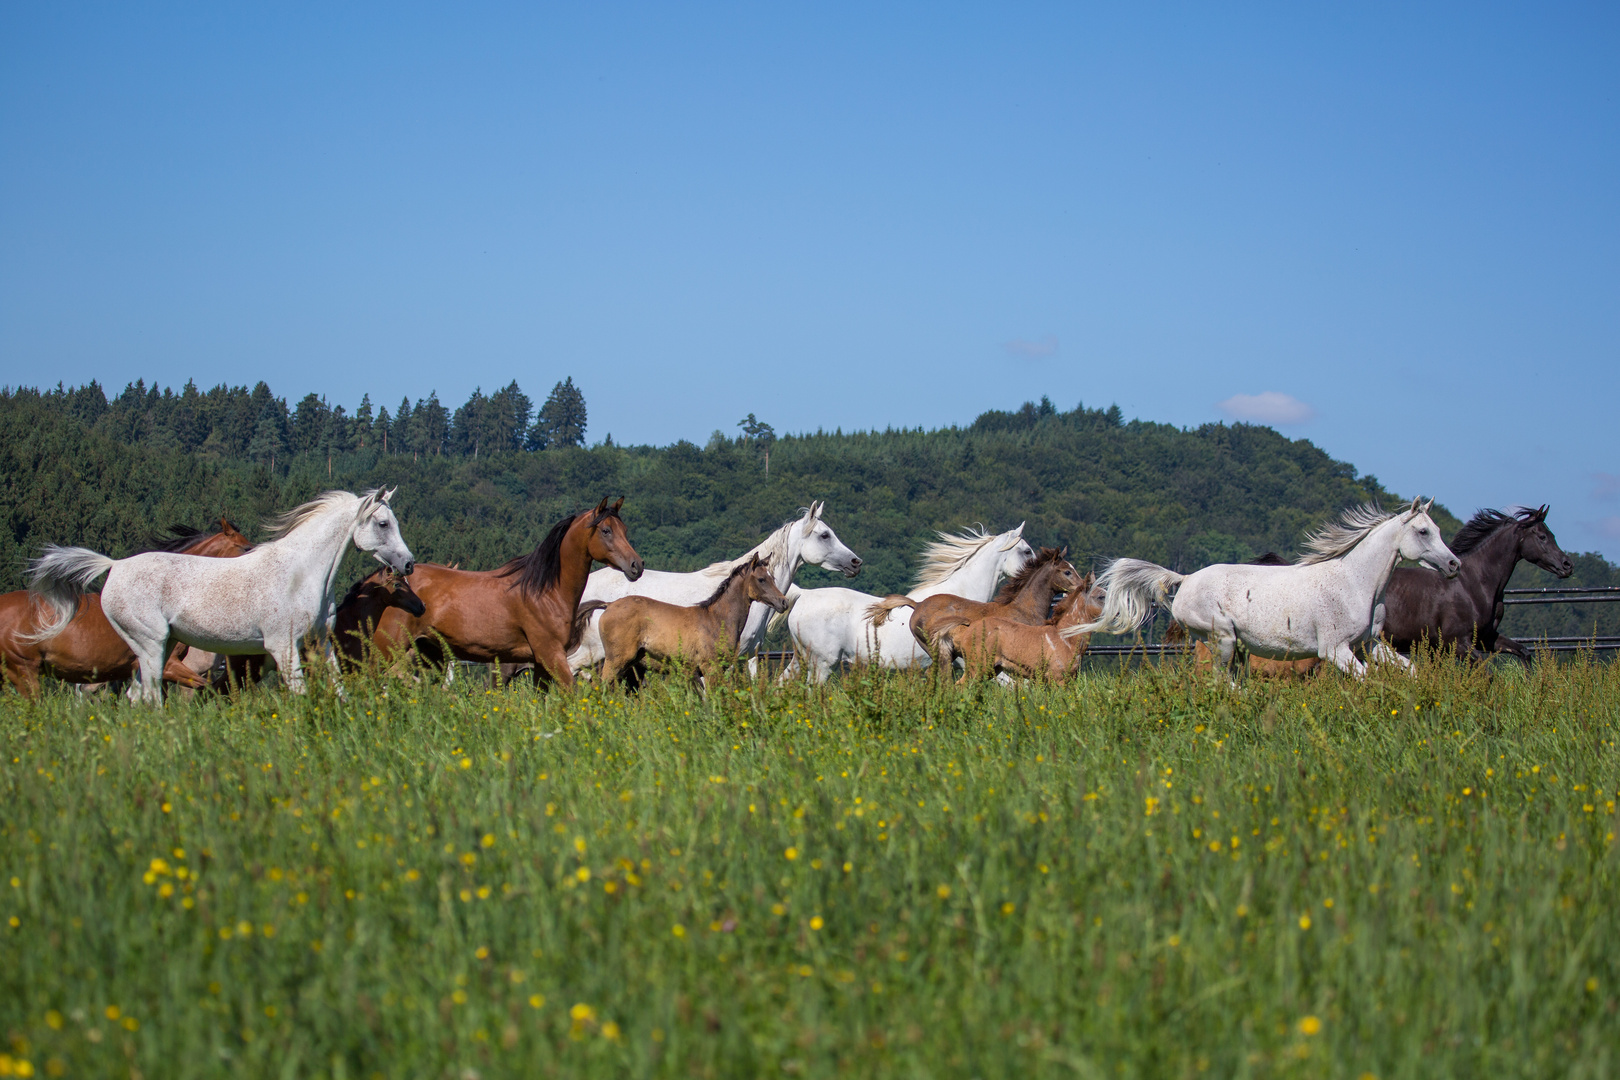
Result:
[[804, 540], [362, 607], [1025, 598], [1002, 646], [1466, 612], [523, 612], [638, 628], [830, 626], [265, 601], [1324, 605], [89, 650]]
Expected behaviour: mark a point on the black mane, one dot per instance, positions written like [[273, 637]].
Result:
[[539, 569], [1016, 583], [736, 572], [1484, 523]]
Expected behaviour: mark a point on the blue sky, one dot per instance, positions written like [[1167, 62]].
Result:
[[1391, 230]]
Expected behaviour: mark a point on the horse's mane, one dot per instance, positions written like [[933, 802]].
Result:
[[945, 556], [282, 525], [742, 567], [179, 539], [1336, 538], [539, 569], [354, 590], [772, 549], [1015, 584], [1486, 522]]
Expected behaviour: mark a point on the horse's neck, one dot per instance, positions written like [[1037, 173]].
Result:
[[574, 566], [1486, 570], [1369, 564], [1035, 598], [731, 608], [974, 579], [778, 549]]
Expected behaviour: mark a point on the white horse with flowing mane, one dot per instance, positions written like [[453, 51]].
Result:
[[1324, 605], [801, 540], [833, 626], [262, 602]]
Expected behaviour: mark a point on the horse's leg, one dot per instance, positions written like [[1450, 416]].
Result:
[[549, 654], [1345, 657], [1382, 653], [1505, 644], [285, 654], [1223, 639], [24, 678]]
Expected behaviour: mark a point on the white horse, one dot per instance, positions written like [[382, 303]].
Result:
[[833, 626], [262, 602], [804, 539], [1324, 605]]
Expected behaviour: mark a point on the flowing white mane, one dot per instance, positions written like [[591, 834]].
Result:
[[772, 550], [283, 524], [947, 555], [1336, 538]]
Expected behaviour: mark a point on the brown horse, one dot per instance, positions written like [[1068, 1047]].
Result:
[[89, 650], [1025, 598], [635, 628], [522, 612], [362, 608], [993, 645]]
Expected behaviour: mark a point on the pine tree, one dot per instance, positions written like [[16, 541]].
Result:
[[362, 422], [266, 442], [562, 418]]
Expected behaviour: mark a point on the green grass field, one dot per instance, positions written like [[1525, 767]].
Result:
[[1140, 874]]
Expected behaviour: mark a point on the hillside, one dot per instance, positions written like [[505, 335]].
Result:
[[109, 476]]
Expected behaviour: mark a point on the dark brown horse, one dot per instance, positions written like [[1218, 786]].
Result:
[[1025, 598], [638, 628], [522, 612], [89, 650], [362, 609], [1464, 612]]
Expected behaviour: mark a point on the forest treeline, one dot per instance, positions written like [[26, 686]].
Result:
[[483, 482]]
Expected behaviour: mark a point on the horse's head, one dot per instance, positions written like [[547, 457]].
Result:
[[1066, 578], [761, 585], [820, 546], [1538, 546], [232, 539], [398, 593], [378, 533], [1420, 541], [1015, 552], [608, 542]]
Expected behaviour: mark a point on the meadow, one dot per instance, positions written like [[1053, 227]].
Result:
[[1141, 873]]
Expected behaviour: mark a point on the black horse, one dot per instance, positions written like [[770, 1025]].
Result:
[[1465, 611]]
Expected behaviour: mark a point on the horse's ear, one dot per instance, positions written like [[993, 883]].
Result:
[[388, 495], [1413, 509], [617, 504], [602, 506], [817, 508], [1019, 532], [1427, 505]]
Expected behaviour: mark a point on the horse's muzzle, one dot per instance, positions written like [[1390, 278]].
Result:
[[635, 570], [410, 567], [854, 566]]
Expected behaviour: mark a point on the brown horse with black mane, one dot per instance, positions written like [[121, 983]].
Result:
[[89, 650], [520, 613], [636, 628], [1025, 598]]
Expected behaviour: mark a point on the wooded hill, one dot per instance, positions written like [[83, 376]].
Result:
[[77, 468]]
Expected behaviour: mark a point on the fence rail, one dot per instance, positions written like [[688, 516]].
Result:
[[1570, 595]]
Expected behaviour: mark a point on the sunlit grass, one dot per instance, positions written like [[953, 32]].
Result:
[[1143, 874]]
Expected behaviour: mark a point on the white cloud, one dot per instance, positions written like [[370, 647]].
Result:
[[1269, 407], [1044, 346]]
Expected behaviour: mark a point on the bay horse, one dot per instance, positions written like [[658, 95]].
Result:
[[806, 540], [362, 607], [522, 612], [1025, 598], [1324, 605], [264, 601], [88, 650], [997, 645], [830, 626], [1466, 612], [638, 628]]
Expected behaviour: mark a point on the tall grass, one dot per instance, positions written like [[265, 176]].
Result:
[[1140, 874]]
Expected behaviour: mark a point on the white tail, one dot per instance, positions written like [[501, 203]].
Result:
[[59, 577], [1132, 587]]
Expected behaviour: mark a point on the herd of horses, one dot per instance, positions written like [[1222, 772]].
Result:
[[207, 609]]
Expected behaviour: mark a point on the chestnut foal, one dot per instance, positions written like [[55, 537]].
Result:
[[1025, 598], [992, 645], [635, 628]]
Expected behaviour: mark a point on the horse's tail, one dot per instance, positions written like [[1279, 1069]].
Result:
[[59, 577], [780, 617], [878, 613], [582, 619], [1132, 587]]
